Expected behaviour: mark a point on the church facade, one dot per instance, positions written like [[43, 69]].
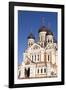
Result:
[[40, 58]]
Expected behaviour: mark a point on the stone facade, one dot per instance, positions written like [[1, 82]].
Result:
[[40, 58]]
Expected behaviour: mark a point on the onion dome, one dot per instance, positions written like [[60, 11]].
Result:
[[43, 29], [49, 33], [31, 36]]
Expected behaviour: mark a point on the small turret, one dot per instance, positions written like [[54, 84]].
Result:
[[31, 40]]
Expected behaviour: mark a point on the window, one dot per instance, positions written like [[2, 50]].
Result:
[[38, 71], [38, 57], [48, 57], [48, 40], [31, 43], [41, 44], [41, 70], [19, 73], [35, 57], [51, 41], [52, 73], [32, 57], [44, 70], [41, 38]]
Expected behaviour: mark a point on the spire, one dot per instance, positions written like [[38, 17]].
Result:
[[43, 21], [43, 28], [30, 27], [49, 31]]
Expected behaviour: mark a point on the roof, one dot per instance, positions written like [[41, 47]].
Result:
[[49, 33], [43, 29], [31, 36]]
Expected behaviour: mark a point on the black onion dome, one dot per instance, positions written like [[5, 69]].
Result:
[[43, 29], [31, 36], [49, 33]]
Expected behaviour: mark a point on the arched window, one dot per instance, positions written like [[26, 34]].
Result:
[[41, 70], [51, 41], [44, 70], [35, 57], [48, 57], [48, 40], [31, 44], [19, 73], [32, 57], [41, 38], [38, 57], [38, 71]]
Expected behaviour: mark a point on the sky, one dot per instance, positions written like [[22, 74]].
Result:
[[30, 22]]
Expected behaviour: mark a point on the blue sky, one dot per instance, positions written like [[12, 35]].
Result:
[[31, 21]]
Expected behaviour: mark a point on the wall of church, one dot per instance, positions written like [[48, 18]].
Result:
[[53, 57], [22, 72], [48, 69], [56, 57], [42, 56], [32, 70], [42, 60]]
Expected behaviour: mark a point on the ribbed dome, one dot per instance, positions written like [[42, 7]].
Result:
[[31, 36], [43, 29]]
